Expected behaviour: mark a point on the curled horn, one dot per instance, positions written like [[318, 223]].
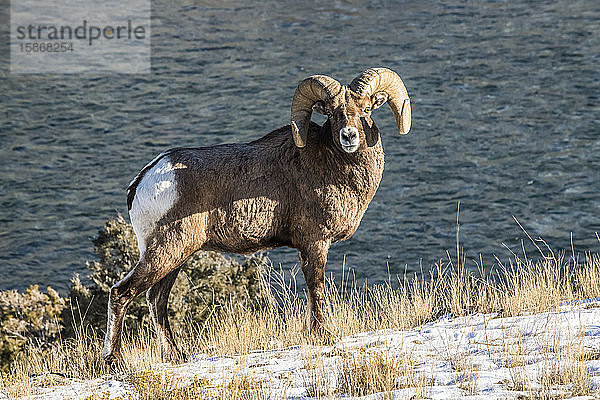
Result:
[[308, 92], [385, 80]]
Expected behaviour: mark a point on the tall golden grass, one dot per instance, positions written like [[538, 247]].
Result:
[[518, 287]]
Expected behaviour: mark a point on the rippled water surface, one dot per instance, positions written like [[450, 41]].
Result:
[[505, 120]]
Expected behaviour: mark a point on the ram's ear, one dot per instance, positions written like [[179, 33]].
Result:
[[378, 99], [319, 107]]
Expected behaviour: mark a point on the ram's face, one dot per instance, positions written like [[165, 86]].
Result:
[[349, 107], [348, 113]]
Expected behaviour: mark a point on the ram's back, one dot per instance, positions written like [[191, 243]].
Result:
[[236, 195]]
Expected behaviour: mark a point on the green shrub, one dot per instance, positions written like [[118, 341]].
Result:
[[29, 318]]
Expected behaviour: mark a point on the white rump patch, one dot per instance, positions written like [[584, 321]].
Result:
[[154, 196], [154, 159]]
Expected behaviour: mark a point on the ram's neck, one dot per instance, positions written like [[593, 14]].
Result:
[[360, 171]]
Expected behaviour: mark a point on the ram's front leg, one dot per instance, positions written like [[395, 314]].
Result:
[[313, 258]]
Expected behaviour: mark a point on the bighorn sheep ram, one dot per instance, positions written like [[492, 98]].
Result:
[[303, 186]]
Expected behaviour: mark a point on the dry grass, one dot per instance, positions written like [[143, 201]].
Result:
[[78, 357], [367, 373], [522, 286], [467, 372], [317, 378], [561, 373], [362, 373], [161, 385], [563, 368], [515, 355]]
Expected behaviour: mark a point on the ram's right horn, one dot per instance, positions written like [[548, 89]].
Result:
[[308, 92]]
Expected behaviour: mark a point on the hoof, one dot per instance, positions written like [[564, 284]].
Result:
[[327, 338], [114, 361], [174, 356], [323, 336]]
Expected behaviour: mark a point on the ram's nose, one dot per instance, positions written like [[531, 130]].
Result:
[[349, 139]]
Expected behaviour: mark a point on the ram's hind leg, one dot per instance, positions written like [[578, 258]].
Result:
[[154, 265], [157, 297]]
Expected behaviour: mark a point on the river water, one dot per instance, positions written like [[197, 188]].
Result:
[[505, 114]]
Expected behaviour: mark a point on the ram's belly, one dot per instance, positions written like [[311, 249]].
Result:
[[246, 225]]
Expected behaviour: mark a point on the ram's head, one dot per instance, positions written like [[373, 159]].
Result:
[[349, 107]]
